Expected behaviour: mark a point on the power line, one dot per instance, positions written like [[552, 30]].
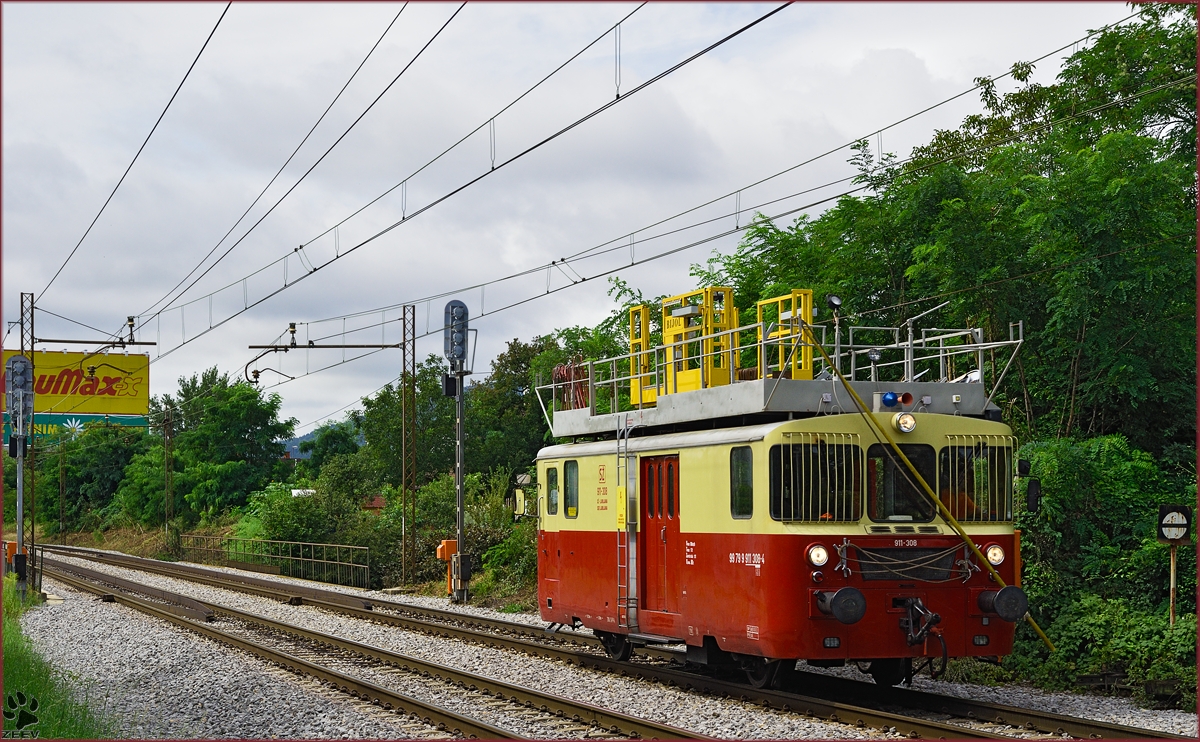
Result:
[[675, 216], [593, 252], [925, 166], [74, 321], [283, 166], [778, 174], [439, 156], [486, 122], [249, 305], [325, 154], [139, 152], [661, 221]]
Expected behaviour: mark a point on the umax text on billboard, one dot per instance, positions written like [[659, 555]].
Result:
[[120, 386]]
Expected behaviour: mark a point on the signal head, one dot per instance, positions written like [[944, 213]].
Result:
[[455, 338]]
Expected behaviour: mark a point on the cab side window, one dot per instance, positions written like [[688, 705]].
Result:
[[552, 491], [741, 482], [571, 474]]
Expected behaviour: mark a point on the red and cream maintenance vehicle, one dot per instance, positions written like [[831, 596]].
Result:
[[724, 490]]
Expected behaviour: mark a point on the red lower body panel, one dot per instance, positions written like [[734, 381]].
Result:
[[757, 595]]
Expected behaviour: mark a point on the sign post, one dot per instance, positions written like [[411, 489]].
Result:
[[18, 388], [1174, 528], [456, 353]]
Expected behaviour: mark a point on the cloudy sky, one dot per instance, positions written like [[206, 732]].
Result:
[[83, 85]]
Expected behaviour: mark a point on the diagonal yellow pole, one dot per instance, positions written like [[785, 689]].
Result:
[[945, 512]]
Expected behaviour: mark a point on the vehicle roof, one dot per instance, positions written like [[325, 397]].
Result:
[[694, 439]]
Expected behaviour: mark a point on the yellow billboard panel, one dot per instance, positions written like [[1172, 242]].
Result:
[[120, 386]]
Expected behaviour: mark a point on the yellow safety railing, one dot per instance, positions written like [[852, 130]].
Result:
[[779, 322], [697, 350], [643, 387]]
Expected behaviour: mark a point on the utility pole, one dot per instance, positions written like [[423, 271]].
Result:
[[408, 439], [27, 340], [456, 353], [168, 474], [19, 390], [62, 495], [408, 406]]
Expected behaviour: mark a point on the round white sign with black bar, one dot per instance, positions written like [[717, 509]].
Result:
[[1174, 523]]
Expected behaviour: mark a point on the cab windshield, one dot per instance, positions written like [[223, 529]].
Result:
[[892, 492]]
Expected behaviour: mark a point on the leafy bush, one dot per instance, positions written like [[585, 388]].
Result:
[[1096, 576], [1095, 530], [1096, 635]]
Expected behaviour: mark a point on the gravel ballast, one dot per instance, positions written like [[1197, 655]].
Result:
[[151, 679], [716, 717]]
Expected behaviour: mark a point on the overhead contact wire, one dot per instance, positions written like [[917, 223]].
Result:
[[384, 231], [319, 159], [982, 148], [282, 167], [139, 152]]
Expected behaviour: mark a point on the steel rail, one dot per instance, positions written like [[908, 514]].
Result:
[[833, 711], [1043, 721], [578, 710], [443, 719], [296, 593], [183, 605], [840, 688]]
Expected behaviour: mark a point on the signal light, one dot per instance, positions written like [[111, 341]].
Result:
[[891, 399], [456, 331]]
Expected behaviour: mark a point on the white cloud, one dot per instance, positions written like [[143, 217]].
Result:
[[84, 83]]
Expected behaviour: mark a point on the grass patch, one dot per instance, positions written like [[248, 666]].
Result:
[[46, 692]]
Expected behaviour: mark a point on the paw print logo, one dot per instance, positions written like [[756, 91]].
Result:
[[20, 709]]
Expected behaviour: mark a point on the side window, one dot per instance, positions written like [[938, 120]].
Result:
[[670, 490], [741, 482], [571, 474], [661, 499], [650, 490], [552, 491], [976, 482]]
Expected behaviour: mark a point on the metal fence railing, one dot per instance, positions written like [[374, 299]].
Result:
[[339, 564]]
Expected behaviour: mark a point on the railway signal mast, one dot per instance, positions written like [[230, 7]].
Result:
[[18, 386], [456, 353]]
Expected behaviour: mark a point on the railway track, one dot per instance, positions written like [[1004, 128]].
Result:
[[862, 704], [333, 659]]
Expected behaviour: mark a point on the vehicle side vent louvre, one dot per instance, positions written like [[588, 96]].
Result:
[[905, 529], [880, 529], [929, 529]]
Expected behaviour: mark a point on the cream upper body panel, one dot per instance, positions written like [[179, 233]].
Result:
[[705, 472]]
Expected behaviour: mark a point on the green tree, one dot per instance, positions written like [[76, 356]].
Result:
[[228, 441], [505, 426], [331, 439], [94, 465], [382, 420]]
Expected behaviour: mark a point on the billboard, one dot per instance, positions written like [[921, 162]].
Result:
[[61, 385]]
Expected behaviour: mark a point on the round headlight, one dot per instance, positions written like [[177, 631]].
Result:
[[818, 555], [995, 555], [904, 422]]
